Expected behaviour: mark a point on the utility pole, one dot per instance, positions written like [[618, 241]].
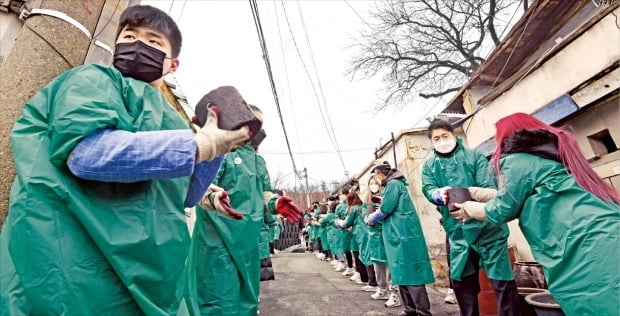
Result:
[[45, 47]]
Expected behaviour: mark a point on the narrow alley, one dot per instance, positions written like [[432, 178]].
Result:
[[307, 286]]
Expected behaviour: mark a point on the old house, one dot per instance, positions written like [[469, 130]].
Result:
[[560, 64]]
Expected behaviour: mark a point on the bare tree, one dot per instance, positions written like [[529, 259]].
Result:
[[427, 47], [278, 181]]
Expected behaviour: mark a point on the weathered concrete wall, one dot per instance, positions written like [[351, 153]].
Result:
[[10, 26], [33, 63], [585, 57], [597, 118]]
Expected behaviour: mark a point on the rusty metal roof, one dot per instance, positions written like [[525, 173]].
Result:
[[533, 36]]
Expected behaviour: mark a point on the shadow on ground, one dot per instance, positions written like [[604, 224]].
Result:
[[305, 286]]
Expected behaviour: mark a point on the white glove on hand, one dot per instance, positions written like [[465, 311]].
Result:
[[469, 209], [217, 199], [212, 141]]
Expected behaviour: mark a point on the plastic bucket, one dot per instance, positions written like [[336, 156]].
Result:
[[544, 304], [527, 309]]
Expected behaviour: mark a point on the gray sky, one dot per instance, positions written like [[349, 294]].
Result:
[[220, 47]]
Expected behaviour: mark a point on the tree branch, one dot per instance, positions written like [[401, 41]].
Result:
[[491, 26], [439, 94]]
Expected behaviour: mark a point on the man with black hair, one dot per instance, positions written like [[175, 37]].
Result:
[[96, 222], [473, 243]]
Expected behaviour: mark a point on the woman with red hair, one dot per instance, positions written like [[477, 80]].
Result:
[[569, 216]]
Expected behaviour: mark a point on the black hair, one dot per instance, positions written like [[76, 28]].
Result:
[[151, 17], [439, 124], [278, 192], [382, 168], [323, 209], [333, 207]]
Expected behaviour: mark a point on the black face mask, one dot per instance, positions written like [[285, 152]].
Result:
[[139, 61]]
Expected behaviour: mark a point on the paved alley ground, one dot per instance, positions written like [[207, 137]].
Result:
[[306, 286]]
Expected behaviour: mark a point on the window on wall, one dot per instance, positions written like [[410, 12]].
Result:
[[602, 143]]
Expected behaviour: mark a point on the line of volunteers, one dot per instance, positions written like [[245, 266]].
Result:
[[569, 216], [105, 168]]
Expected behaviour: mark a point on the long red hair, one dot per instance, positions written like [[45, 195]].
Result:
[[568, 150]]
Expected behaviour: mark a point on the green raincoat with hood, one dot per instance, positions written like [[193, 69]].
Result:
[[464, 167], [224, 256], [405, 246], [573, 234], [77, 247]]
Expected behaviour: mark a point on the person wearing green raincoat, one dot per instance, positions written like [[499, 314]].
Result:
[[376, 250], [569, 215], [264, 241], [332, 234], [360, 231], [473, 243], [405, 246], [96, 219], [277, 230], [312, 230], [345, 236], [223, 266], [322, 231]]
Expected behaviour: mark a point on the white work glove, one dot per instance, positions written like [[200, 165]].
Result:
[[212, 141], [217, 199], [482, 194], [339, 222], [469, 209]]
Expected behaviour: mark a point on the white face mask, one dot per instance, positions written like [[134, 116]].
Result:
[[374, 188], [445, 146], [343, 198]]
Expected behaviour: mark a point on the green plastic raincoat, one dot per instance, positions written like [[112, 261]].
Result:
[[468, 168], [224, 257], [405, 246], [573, 234], [76, 247], [339, 240], [322, 231], [266, 234], [376, 249], [355, 219], [330, 233], [277, 230]]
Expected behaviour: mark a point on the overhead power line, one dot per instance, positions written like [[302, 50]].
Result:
[[288, 81], [263, 44], [358, 15], [316, 95], [318, 152], [318, 80]]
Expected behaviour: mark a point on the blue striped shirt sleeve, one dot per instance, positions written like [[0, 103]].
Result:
[[112, 155]]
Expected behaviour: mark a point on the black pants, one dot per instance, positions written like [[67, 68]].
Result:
[[415, 300], [467, 290], [448, 257], [366, 274], [271, 248], [349, 259], [372, 279]]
